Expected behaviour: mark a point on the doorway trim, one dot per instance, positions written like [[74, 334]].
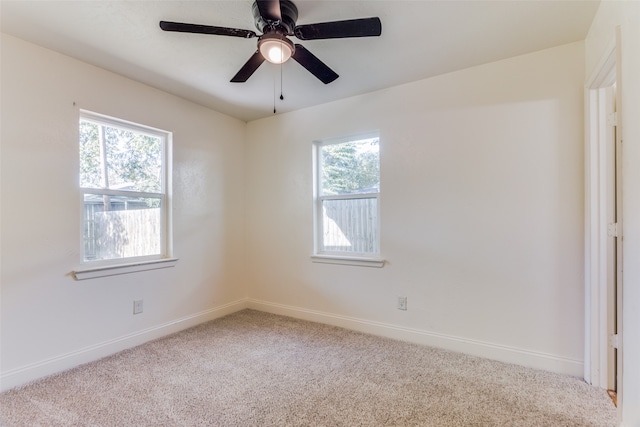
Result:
[[597, 266]]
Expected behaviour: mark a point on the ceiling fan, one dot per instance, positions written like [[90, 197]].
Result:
[[276, 20]]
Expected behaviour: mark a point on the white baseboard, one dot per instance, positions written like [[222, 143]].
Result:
[[532, 359], [25, 374]]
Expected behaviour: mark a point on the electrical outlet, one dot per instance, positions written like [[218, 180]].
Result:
[[402, 303], [137, 306]]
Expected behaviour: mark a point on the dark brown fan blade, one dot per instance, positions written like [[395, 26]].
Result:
[[316, 67], [269, 10], [206, 29], [364, 27], [249, 68]]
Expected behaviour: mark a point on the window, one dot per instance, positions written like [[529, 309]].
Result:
[[123, 179], [347, 191]]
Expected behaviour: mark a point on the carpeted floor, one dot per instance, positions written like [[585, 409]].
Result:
[[258, 369]]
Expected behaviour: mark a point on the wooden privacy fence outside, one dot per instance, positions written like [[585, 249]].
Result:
[[350, 225], [122, 233]]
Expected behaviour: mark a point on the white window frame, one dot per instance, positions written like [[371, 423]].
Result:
[[339, 257], [98, 268]]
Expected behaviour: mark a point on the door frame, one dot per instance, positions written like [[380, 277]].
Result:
[[597, 339]]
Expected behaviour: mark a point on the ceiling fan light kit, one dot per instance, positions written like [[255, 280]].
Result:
[[276, 48], [276, 19]]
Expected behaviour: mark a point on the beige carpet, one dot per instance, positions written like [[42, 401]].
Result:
[[258, 369]]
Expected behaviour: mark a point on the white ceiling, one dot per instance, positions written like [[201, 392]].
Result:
[[419, 39]]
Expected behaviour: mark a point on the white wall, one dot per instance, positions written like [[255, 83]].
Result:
[[602, 33], [49, 320], [482, 212], [481, 204]]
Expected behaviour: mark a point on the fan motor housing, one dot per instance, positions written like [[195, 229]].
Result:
[[289, 13]]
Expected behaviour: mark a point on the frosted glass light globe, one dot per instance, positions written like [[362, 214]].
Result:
[[275, 50]]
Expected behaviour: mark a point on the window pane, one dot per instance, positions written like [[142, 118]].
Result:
[[119, 227], [350, 167], [90, 163], [350, 225], [119, 159]]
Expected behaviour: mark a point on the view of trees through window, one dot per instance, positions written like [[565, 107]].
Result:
[[349, 185], [119, 158], [351, 167], [121, 174]]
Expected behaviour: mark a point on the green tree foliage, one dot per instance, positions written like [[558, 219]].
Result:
[[351, 167], [90, 175], [133, 160]]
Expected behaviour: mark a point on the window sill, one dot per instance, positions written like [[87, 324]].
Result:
[[346, 260], [113, 270]]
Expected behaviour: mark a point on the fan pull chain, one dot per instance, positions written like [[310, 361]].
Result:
[[274, 89], [281, 96]]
